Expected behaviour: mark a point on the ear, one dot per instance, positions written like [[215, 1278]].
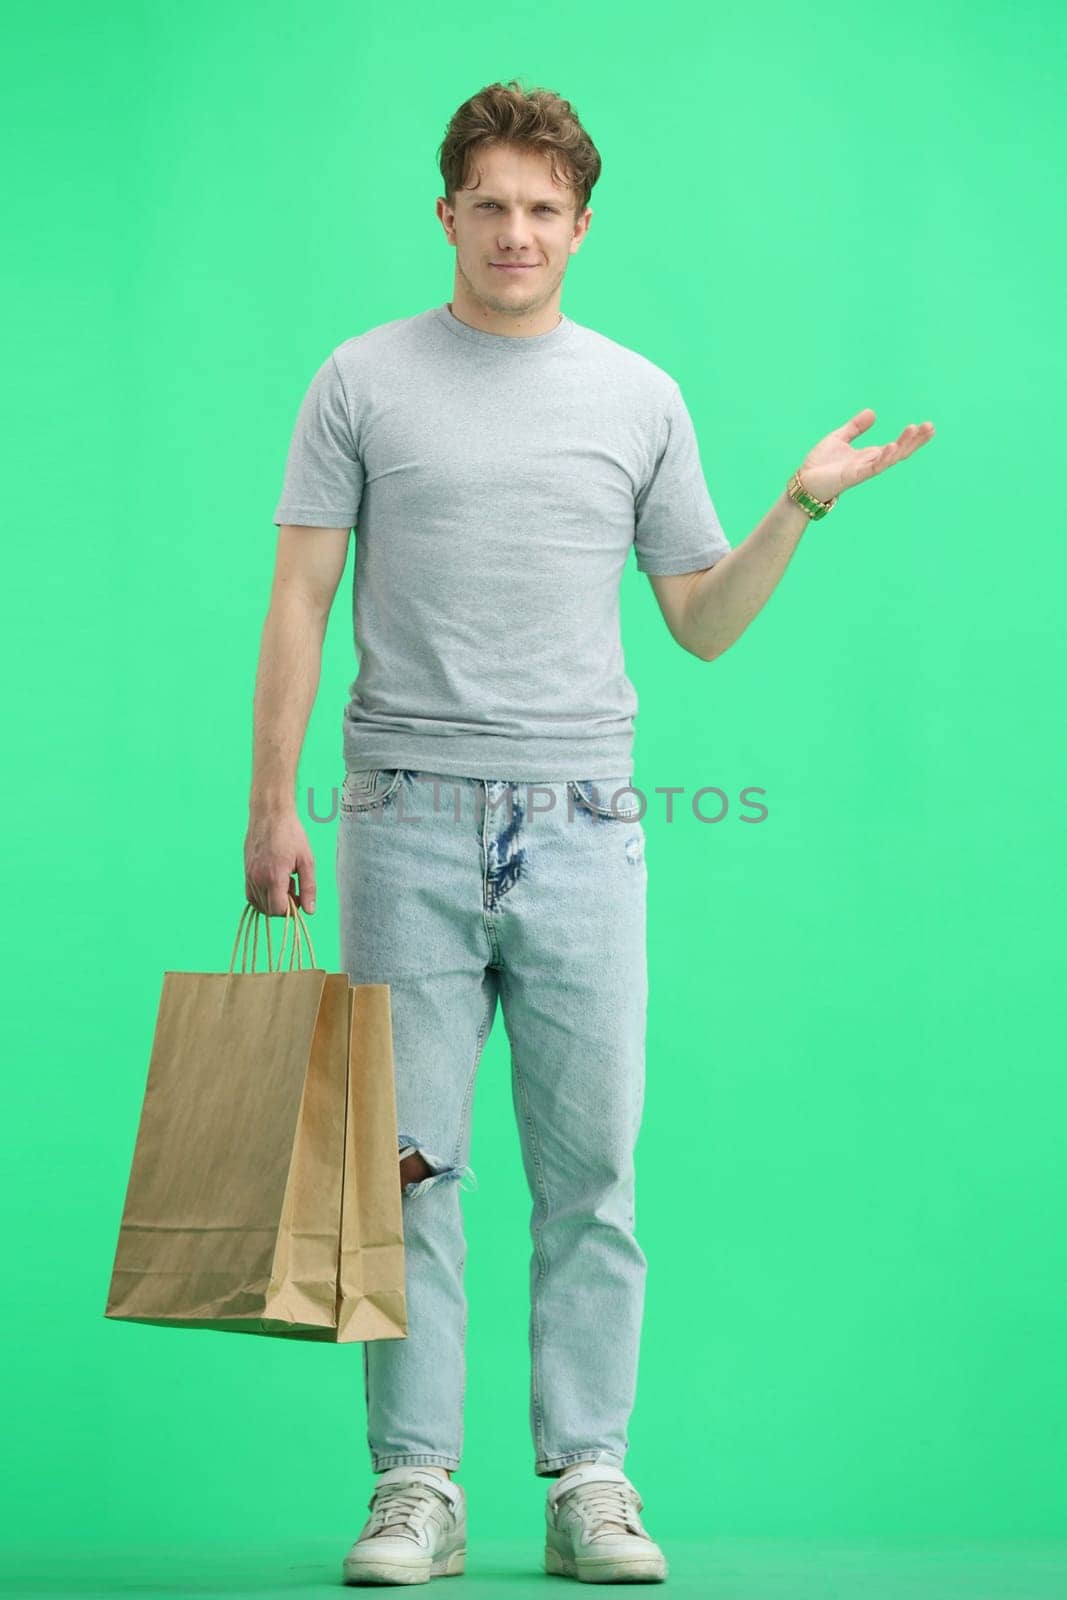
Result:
[[581, 228], [448, 218]]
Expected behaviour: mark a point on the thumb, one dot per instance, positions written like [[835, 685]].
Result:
[[857, 424], [305, 866]]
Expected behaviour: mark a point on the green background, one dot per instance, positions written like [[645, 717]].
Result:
[[850, 1185]]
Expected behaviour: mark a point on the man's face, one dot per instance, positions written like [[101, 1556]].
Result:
[[515, 213]]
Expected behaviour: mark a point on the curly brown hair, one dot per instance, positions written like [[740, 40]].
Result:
[[535, 119]]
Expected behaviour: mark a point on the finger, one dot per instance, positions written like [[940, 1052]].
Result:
[[303, 894], [306, 868], [906, 442], [911, 437], [920, 434], [895, 448], [277, 897], [885, 457], [909, 441]]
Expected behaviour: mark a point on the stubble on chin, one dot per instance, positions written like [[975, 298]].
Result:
[[509, 304]]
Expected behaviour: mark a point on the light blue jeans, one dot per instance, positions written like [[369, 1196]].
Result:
[[455, 891]]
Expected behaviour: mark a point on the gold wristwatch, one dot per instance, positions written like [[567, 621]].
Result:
[[807, 502]]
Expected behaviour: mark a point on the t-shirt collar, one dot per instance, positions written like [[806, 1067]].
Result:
[[503, 341]]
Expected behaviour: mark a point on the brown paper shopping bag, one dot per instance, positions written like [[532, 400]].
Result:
[[264, 1193]]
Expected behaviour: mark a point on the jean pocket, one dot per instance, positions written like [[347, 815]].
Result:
[[363, 791], [612, 798]]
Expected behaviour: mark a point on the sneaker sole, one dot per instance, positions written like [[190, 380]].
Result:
[[372, 1569], [643, 1569]]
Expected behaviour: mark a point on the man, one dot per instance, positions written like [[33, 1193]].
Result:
[[499, 461]]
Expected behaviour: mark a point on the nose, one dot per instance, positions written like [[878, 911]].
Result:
[[512, 240]]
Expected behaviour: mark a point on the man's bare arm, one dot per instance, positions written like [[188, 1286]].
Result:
[[707, 610], [308, 568]]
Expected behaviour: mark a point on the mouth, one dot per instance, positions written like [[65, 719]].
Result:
[[513, 266]]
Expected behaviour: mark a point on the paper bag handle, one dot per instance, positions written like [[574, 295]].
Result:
[[250, 924]]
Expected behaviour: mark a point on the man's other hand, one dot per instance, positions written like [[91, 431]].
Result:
[[277, 855]]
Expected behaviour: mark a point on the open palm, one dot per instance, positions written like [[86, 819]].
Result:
[[833, 465]]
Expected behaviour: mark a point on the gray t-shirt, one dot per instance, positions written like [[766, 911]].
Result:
[[497, 486]]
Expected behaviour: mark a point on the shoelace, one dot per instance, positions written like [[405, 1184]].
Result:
[[401, 1506], [607, 1508]]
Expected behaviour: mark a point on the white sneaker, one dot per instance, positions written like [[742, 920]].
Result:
[[417, 1529], [594, 1531]]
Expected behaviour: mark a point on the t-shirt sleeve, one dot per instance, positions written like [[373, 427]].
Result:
[[323, 482], [676, 526]]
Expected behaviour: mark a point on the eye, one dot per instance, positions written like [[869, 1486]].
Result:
[[482, 203]]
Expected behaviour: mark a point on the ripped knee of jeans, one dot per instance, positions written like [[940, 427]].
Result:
[[441, 1171]]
